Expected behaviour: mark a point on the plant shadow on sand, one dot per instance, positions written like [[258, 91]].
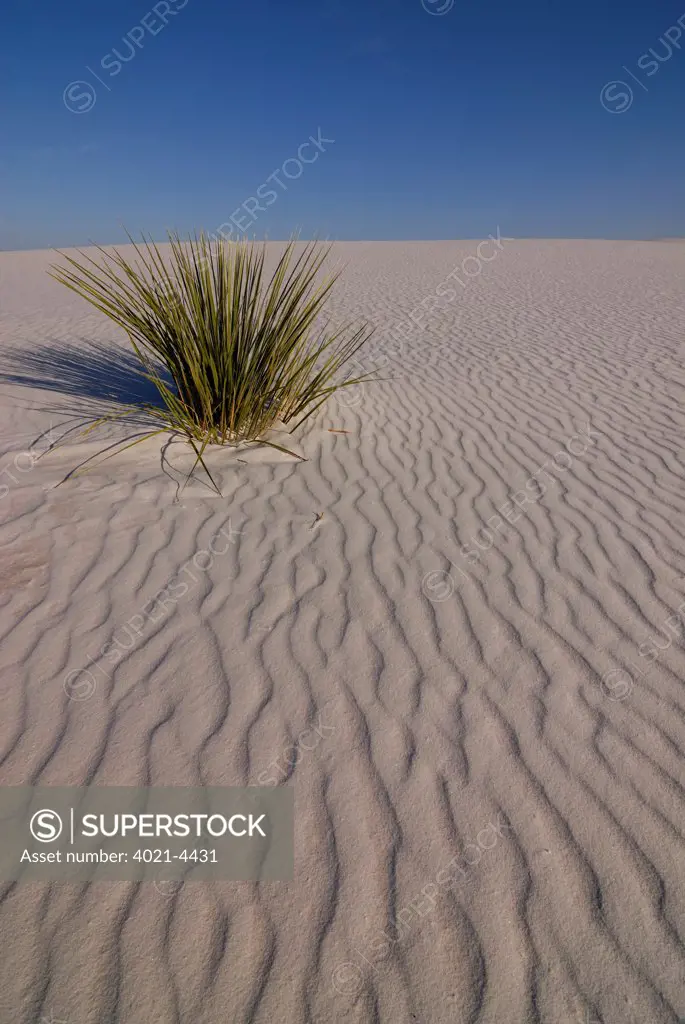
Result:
[[98, 376], [94, 379]]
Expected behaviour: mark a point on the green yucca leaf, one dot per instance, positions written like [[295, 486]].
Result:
[[241, 352]]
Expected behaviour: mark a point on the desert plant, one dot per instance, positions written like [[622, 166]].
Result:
[[241, 352]]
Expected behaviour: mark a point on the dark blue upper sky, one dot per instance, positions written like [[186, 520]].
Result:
[[445, 125]]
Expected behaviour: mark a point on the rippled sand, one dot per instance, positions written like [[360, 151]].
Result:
[[454, 631]]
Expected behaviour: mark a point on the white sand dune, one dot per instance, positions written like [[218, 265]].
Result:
[[490, 804]]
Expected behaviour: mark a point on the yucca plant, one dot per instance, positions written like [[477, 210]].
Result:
[[242, 352]]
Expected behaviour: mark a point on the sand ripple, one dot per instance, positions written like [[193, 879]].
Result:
[[490, 805]]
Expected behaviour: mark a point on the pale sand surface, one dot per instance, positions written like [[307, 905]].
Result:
[[514, 714]]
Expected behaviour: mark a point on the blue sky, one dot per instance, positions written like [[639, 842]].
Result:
[[445, 125]]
